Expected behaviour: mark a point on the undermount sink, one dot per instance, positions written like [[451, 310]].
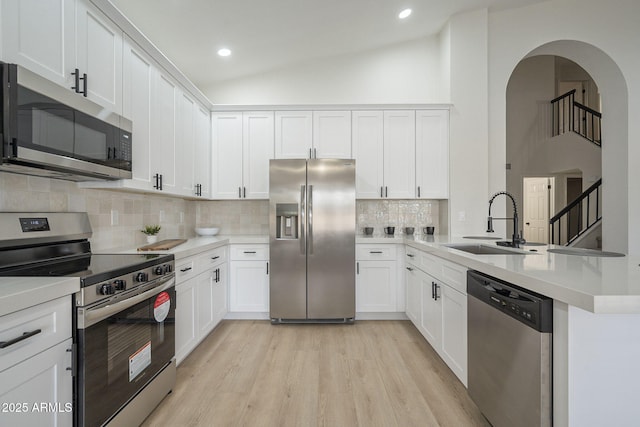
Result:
[[480, 249], [584, 252], [483, 237]]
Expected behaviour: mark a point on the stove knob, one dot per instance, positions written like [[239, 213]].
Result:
[[158, 271], [141, 277], [120, 285], [168, 269], [107, 289]]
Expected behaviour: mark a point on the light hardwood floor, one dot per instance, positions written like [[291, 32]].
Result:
[[372, 373]]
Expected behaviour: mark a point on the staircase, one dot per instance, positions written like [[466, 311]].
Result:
[[568, 115], [578, 217]]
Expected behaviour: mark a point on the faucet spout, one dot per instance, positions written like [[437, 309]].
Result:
[[516, 239]]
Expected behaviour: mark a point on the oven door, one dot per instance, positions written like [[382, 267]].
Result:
[[121, 347]]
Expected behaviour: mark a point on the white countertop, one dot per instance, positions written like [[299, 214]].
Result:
[[595, 284], [197, 245], [17, 293]]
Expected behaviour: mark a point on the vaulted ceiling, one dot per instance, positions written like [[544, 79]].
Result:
[[270, 34]]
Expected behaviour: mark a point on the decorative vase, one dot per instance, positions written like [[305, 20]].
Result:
[[152, 239]]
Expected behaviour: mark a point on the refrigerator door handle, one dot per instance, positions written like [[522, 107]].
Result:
[[310, 219], [303, 226]]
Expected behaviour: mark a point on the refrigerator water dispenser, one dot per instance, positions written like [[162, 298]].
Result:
[[286, 221]]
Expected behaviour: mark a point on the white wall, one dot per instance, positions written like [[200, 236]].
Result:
[[602, 38], [401, 73], [468, 183]]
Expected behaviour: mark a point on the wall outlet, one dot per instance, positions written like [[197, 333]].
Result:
[[114, 217], [462, 216], [161, 216]]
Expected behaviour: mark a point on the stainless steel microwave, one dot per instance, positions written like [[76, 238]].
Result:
[[48, 130]]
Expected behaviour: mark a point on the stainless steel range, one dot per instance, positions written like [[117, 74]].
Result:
[[124, 314]]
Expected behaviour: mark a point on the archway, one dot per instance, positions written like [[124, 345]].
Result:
[[549, 150], [614, 100]]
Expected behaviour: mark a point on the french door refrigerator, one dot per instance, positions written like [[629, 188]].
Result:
[[312, 223]]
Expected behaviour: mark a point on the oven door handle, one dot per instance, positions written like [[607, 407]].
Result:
[[91, 316]]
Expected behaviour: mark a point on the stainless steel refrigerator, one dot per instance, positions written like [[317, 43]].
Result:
[[312, 223]]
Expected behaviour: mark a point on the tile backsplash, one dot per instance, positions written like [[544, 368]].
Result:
[[117, 216], [398, 213], [129, 211], [234, 217]]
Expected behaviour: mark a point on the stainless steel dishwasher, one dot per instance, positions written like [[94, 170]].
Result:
[[510, 354]]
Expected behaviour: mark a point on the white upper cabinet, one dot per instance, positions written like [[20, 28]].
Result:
[[367, 131], [384, 149], [242, 146], [293, 134], [257, 149], [399, 154], [99, 55], [138, 86], [163, 133], [40, 36], [55, 38], [317, 134], [432, 154], [331, 135], [185, 145], [202, 153], [226, 155]]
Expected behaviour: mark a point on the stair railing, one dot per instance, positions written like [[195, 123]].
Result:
[[578, 216], [568, 115]]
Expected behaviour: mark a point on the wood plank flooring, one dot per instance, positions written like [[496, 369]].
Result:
[[372, 373]]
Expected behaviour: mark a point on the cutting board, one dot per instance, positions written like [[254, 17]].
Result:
[[163, 245]]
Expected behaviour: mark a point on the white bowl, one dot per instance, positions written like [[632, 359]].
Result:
[[207, 231]]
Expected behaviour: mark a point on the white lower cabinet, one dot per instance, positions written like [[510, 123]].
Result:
[[438, 308], [202, 298], [454, 331], [379, 288], [221, 294], [249, 279], [431, 316], [36, 382], [414, 295], [376, 286], [186, 324], [38, 391]]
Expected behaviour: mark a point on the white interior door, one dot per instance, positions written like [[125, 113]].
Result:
[[536, 192]]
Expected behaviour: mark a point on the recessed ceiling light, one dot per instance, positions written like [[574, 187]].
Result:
[[405, 13], [224, 52]]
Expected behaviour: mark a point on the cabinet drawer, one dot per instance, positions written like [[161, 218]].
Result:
[[212, 258], [249, 252], [454, 275], [186, 269], [412, 256], [376, 252], [53, 321]]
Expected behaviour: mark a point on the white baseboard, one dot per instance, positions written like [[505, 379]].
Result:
[[382, 316]]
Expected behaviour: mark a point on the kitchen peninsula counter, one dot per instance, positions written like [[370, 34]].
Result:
[[595, 284]]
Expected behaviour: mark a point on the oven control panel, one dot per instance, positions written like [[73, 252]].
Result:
[[117, 285]]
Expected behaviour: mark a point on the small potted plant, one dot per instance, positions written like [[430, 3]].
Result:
[[151, 231]]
